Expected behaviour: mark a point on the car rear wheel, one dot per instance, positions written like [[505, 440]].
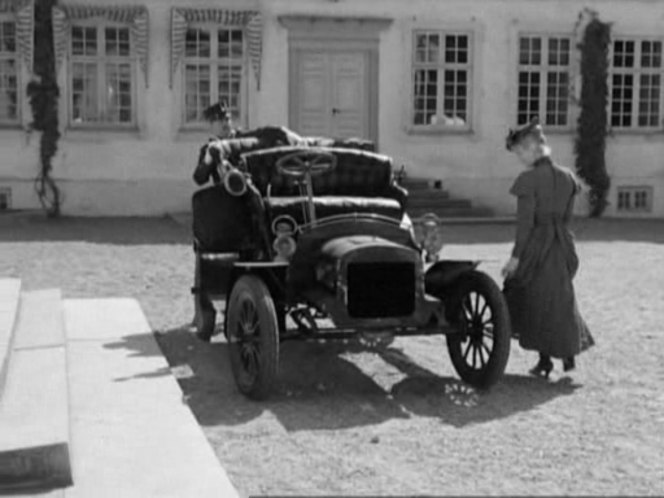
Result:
[[480, 349], [253, 337]]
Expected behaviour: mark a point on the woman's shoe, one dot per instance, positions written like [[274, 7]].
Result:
[[569, 364], [543, 367]]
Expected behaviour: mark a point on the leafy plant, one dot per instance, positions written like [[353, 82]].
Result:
[[43, 93], [592, 129]]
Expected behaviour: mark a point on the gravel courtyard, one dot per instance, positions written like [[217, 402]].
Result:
[[353, 422]]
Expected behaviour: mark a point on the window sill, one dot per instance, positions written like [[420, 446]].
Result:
[[437, 130]]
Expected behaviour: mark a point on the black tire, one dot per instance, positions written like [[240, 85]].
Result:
[[253, 337], [481, 348]]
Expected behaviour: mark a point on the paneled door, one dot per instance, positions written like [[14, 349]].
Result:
[[332, 94]]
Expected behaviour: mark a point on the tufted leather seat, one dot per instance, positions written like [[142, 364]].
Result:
[[361, 182]]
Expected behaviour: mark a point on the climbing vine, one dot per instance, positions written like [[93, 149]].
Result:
[[43, 93], [592, 124]]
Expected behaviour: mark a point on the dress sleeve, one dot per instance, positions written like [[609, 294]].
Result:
[[524, 190]]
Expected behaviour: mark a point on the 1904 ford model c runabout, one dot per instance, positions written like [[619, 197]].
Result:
[[313, 242]]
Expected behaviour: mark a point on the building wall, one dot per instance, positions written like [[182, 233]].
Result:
[[148, 171]]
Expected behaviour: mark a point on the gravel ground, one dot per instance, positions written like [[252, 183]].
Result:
[[356, 422]]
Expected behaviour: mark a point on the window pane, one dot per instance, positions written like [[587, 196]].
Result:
[[84, 93], [8, 90], [621, 99], [529, 96], [426, 95], [530, 51], [7, 37], [230, 43], [623, 53], [456, 49], [651, 54], [197, 91], [557, 91], [118, 93], [649, 96], [117, 41], [229, 87], [427, 47], [197, 43], [559, 51]]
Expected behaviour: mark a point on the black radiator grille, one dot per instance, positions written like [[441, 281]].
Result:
[[381, 290]]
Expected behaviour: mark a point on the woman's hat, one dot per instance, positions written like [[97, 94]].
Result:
[[515, 136], [217, 112]]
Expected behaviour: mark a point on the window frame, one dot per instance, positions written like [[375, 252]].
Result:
[[544, 69], [463, 29], [101, 60], [215, 63], [636, 71], [631, 192], [18, 63]]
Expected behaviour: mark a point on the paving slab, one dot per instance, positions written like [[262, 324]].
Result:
[[34, 414], [132, 434], [10, 291]]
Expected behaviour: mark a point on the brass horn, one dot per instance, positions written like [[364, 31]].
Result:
[[233, 179]]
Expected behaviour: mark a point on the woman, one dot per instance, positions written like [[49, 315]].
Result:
[[538, 284]]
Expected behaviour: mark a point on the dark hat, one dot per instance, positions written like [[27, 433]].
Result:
[[217, 112], [515, 136]]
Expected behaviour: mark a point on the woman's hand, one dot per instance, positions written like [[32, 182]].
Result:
[[510, 267]]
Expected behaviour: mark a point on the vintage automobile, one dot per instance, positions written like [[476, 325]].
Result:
[[313, 241]]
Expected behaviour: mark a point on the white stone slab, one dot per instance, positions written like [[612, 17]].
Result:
[[10, 291], [40, 320], [131, 433]]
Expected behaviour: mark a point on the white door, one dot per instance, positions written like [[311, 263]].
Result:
[[332, 97]]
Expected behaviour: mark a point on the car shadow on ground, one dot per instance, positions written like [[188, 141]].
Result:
[[319, 389], [124, 231]]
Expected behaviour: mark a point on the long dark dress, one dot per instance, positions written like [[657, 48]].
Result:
[[540, 294]]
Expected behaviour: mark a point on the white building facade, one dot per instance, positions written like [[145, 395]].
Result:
[[436, 83]]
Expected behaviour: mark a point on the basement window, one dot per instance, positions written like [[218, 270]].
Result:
[[5, 199], [635, 199]]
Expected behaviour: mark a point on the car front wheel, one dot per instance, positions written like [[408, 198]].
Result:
[[480, 349], [253, 337]]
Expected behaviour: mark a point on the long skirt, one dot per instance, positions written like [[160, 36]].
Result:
[[540, 295]]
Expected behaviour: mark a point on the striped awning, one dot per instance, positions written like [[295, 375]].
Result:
[[250, 20], [136, 16], [23, 10]]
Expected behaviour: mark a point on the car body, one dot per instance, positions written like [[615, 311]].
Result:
[[303, 241]]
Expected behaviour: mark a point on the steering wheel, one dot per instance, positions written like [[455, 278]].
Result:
[[313, 162]]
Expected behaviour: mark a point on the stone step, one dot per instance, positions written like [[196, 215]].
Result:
[[453, 212], [10, 292], [417, 183], [132, 434], [442, 203], [430, 193], [34, 415]]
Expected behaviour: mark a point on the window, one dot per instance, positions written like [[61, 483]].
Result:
[[102, 76], [544, 79], [213, 71], [9, 73], [636, 84], [441, 79], [635, 199]]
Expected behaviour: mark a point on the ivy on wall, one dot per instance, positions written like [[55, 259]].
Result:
[[43, 93], [592, 124]]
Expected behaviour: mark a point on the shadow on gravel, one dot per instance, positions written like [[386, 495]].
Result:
[[120, 231], [320, 390], [585, 230]]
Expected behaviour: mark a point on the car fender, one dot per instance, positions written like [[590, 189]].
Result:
[[442, 274]]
